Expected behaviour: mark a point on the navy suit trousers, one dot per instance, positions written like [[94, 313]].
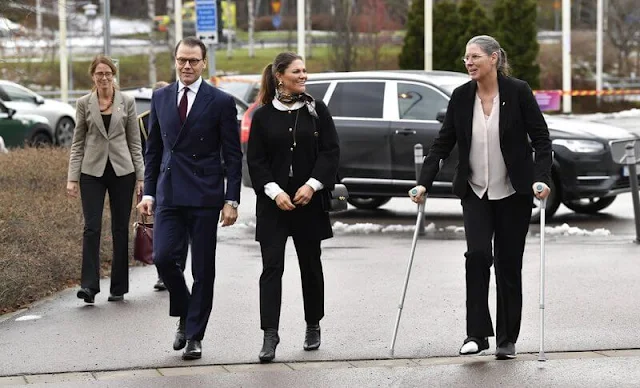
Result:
[[174, 226]]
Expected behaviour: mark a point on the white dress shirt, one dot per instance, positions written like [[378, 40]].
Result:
[[488, 172], [272, 189]]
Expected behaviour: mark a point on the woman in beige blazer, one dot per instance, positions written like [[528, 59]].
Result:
[[106, 156]]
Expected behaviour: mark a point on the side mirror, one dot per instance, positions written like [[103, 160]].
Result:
[[11, 112], [441, 114], [39, 100]]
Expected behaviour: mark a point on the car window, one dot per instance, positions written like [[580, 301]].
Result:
[[142, 105], [17, 94], [240, 89], [358, 99], [419, 102], [317, 90]]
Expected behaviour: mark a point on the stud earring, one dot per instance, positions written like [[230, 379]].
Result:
[[279, 83]]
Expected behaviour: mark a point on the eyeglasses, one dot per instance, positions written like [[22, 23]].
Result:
[[192, 61], [472, 58], [99, 75]]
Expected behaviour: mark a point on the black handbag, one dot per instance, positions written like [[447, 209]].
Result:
[[338, 198]]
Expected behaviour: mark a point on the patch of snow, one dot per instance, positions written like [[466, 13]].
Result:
[[566, 230], [28, 318]]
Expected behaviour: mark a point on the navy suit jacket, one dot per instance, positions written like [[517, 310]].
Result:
[[183, 161]]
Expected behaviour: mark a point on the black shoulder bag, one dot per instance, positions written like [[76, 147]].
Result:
[[336, 200]]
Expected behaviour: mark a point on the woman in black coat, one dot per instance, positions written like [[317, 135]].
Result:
[[492, 118], [292, 155]]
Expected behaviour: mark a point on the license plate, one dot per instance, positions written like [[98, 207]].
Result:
[[625, 170]]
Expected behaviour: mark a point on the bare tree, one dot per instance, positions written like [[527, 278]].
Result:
[[343, 54], [623, 29]]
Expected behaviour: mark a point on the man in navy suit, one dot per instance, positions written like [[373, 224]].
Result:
[[191, 123]]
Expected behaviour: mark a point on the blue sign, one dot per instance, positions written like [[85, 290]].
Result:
[[276, 20], [207, 21]]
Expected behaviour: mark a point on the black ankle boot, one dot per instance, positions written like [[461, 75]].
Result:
[[312, 337], [271, 340]]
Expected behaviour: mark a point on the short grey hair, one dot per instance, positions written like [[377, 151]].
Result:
[[490, 45]]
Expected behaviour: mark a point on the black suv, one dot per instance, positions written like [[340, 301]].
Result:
[[381, 115]]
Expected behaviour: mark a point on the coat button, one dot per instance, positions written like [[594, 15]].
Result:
[[291, 148], [194, 156], [290, 129], [202, 139]]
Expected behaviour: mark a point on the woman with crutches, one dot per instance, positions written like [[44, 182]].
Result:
[[491, 118]]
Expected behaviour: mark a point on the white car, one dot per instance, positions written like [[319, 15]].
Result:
[[61, 116]]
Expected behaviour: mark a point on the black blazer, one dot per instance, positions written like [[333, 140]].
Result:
[[520, 120]]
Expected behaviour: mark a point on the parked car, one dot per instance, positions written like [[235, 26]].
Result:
[[18, 130], [61, 116], [245, 86], [142, 97], [381, 115]]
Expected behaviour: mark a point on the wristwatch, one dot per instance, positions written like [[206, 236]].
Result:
[[234, 204]]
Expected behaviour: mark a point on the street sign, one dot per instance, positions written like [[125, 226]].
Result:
[[276, 20], [207, 21], [618, 150], [275, 6]]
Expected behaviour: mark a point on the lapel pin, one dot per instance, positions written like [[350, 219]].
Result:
[[503, 103]]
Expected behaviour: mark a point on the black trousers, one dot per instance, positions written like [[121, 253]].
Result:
[[93, 190], [271, 280], [507, 222]]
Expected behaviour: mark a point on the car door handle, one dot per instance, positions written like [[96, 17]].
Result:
[[406, 132]]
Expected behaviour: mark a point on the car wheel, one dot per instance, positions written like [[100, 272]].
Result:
[[589, 205], [368, 203], [553, 202], [40, 139], [64, 132]]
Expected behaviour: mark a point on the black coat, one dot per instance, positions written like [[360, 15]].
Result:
[[520, 119], [271, 153]]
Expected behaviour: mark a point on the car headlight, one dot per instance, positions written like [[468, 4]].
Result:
[[580, 146]]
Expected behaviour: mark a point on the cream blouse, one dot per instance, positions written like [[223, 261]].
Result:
[[488, 172]]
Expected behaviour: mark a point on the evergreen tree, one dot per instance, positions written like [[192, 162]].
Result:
[[447, 29], [412, 54], [474, 21], [515, 23]]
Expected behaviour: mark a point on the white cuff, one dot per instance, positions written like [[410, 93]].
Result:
[[315, 184], [272, 189], [148, 197]]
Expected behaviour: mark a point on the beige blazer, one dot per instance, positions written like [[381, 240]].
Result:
[[93, 145]]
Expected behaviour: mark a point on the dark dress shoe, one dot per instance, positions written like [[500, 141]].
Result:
[[271, 340], [193, 351], [506, 352], [473, 345], [87, 294], [181, 340], [115, 298], [312, 337], [159, 285]]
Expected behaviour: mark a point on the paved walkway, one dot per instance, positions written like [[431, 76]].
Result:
[[592, 321]]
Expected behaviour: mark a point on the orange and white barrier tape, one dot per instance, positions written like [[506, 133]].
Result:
[[581, 93]]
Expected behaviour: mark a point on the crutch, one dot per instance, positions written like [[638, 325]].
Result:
[[413, 251], [406, 277], [543, 205]]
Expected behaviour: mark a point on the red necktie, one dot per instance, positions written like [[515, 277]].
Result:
[[182, 108]]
